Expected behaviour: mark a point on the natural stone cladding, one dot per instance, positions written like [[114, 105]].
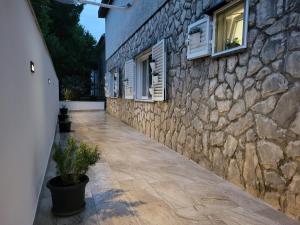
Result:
[[238, 116]]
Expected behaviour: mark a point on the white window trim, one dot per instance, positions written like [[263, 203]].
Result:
[[207, 50], [245, 29], [138, 87]]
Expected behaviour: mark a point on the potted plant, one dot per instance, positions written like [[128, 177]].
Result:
[[63, 117], [232, 44], [68, 94], [65, 126], [68, 188], [195, 30], [63, 110], [155, 78], [125, 81], [151, 91]]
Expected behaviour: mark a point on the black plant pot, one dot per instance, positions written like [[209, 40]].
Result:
[[63, 111], [63, 117], [65, 126], [67, 200]]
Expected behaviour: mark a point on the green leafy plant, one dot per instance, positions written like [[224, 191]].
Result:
[[232, 44], [68, 94], [195, 30], [74, 160], [63, 106]]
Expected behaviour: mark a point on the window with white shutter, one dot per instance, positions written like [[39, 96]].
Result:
[[107, 87], [116, 79], [143, 78], [129, 79], [199, 39], [112, 84], [159, 73]]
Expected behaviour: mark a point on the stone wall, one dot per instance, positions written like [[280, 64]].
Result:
[[239, 115]]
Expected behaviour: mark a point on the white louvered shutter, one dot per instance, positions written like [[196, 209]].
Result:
[[159, 82], [107, 84], [129, 79]]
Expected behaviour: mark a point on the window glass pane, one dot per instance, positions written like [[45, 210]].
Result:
[[229, 30], [144, 77]]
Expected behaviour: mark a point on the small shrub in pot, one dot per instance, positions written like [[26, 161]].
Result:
[[63, 110], [63, 117], [65, 126], [68, 188], [68, 94]]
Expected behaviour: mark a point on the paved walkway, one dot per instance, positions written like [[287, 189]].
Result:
[[139, 181]]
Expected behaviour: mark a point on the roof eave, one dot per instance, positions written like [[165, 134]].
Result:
[[102, 12]]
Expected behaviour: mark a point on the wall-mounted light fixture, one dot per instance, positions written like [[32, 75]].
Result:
[[116, 74], [153, 71], [152, 66], [125, 81], [32, 68]]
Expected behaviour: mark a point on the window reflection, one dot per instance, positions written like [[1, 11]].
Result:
[[229, 30]]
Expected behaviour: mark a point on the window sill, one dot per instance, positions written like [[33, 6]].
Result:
[[229, 52], [144, 100], [113, 97]]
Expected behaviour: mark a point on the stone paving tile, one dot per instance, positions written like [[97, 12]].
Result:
[[141, 182]]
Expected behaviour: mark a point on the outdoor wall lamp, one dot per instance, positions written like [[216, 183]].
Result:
[[78, 2], [153, 71], [32, 68], [116, 75], [125, 81], [152, 66]]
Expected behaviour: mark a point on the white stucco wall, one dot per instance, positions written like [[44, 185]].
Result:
[[82, 106], [28, 112], [121, 24]]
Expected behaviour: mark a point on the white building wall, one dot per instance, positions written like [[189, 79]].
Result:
[[82, 106], [28, 112]]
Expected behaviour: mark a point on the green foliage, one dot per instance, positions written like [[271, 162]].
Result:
[[70, 46], [41, 8], [195, 30], [74, 160], [63, 106], [232, 44], [68, 94]]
